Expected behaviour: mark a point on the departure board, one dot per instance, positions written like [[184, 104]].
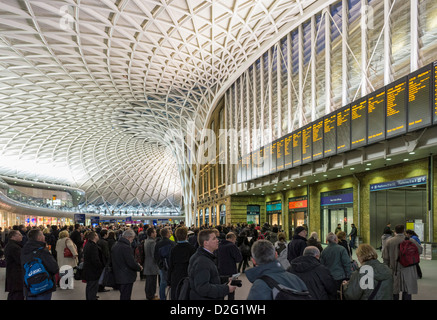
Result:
[[396, 113], [297, 148], [376, 116], [280, 154], [329, 135], [267, 158], [288, 154], [307, 144], [419, 98], [318, 140], [273, 166], [344, 129], [359, 123], [435, 92]]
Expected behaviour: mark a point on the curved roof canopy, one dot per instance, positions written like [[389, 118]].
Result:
[[89, 88]]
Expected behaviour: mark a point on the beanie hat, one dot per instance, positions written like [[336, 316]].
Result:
[[299, 230]]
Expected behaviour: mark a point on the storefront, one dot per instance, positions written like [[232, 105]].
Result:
[[297, 213], [274, 212], [253, 214], [398, 202], [337, 210]]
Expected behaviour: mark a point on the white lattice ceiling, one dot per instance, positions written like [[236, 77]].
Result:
[[88, 88]]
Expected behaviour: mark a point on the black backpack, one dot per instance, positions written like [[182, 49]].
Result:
[[183, 289], [281, 292]]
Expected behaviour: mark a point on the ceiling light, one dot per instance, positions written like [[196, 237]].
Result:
[[352, 168], [405, 159], [338, 175], [388, 159], [412, 152], [325, 175], [367, 169], [369, 164]]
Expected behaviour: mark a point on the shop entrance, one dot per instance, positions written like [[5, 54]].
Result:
[[406, 206], [297, 213], [337, 209]]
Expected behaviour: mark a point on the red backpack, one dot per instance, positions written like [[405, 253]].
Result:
[[408, 253]]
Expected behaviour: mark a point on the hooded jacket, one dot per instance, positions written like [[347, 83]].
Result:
[[316, 277], [260, 289], [381, 272]]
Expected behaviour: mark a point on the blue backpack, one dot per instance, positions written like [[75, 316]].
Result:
[[36, 278]]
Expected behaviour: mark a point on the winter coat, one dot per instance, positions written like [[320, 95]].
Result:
[[104, 246], [150, 266], [14, 272], [281, 249], [260, 289], [37, 248], [179, 258], [228, 256], [60, 246], [124, 266], [404, 278], [336, 259], [384, 239], [316, 277], [354, 291], [92, 261], [160, 249], [244, 246], [205, 281], [296, 247], [272, 237]]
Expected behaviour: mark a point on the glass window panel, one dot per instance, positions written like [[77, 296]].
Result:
[[400, 36], [427, 31], [336, 56]]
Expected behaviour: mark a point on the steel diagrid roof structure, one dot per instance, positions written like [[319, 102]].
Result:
[[89, 88]]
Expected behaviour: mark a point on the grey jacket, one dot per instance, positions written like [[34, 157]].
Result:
[[150, 265], [123, 262], [337, 260]]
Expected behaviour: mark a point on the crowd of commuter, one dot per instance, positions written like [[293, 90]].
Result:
[[206, 260]]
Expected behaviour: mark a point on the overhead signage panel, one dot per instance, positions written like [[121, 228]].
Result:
[[376, 116], [419, 98], [396, 112]]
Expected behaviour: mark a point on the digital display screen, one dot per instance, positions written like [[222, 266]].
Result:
[[280, 154], [376, 116], [318, 140], [329, 135], [267, 158], [307, 150], [419, 99], [297, 148], [396, 108], [359, 123], [288, 154], [273, 166], [344, 129]]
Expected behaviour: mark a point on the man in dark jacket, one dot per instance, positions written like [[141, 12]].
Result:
[[124, 266], [205, 281], [316, 276], [228, 256], [179, 258], [36, 247], [92, 265], [104, 247], [162, 255], [14, 272], [298, 244]]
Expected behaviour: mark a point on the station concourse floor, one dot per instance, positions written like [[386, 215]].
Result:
[[427, 287]]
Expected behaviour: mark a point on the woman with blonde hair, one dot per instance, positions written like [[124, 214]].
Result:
[[378, 282], [63, 255]]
